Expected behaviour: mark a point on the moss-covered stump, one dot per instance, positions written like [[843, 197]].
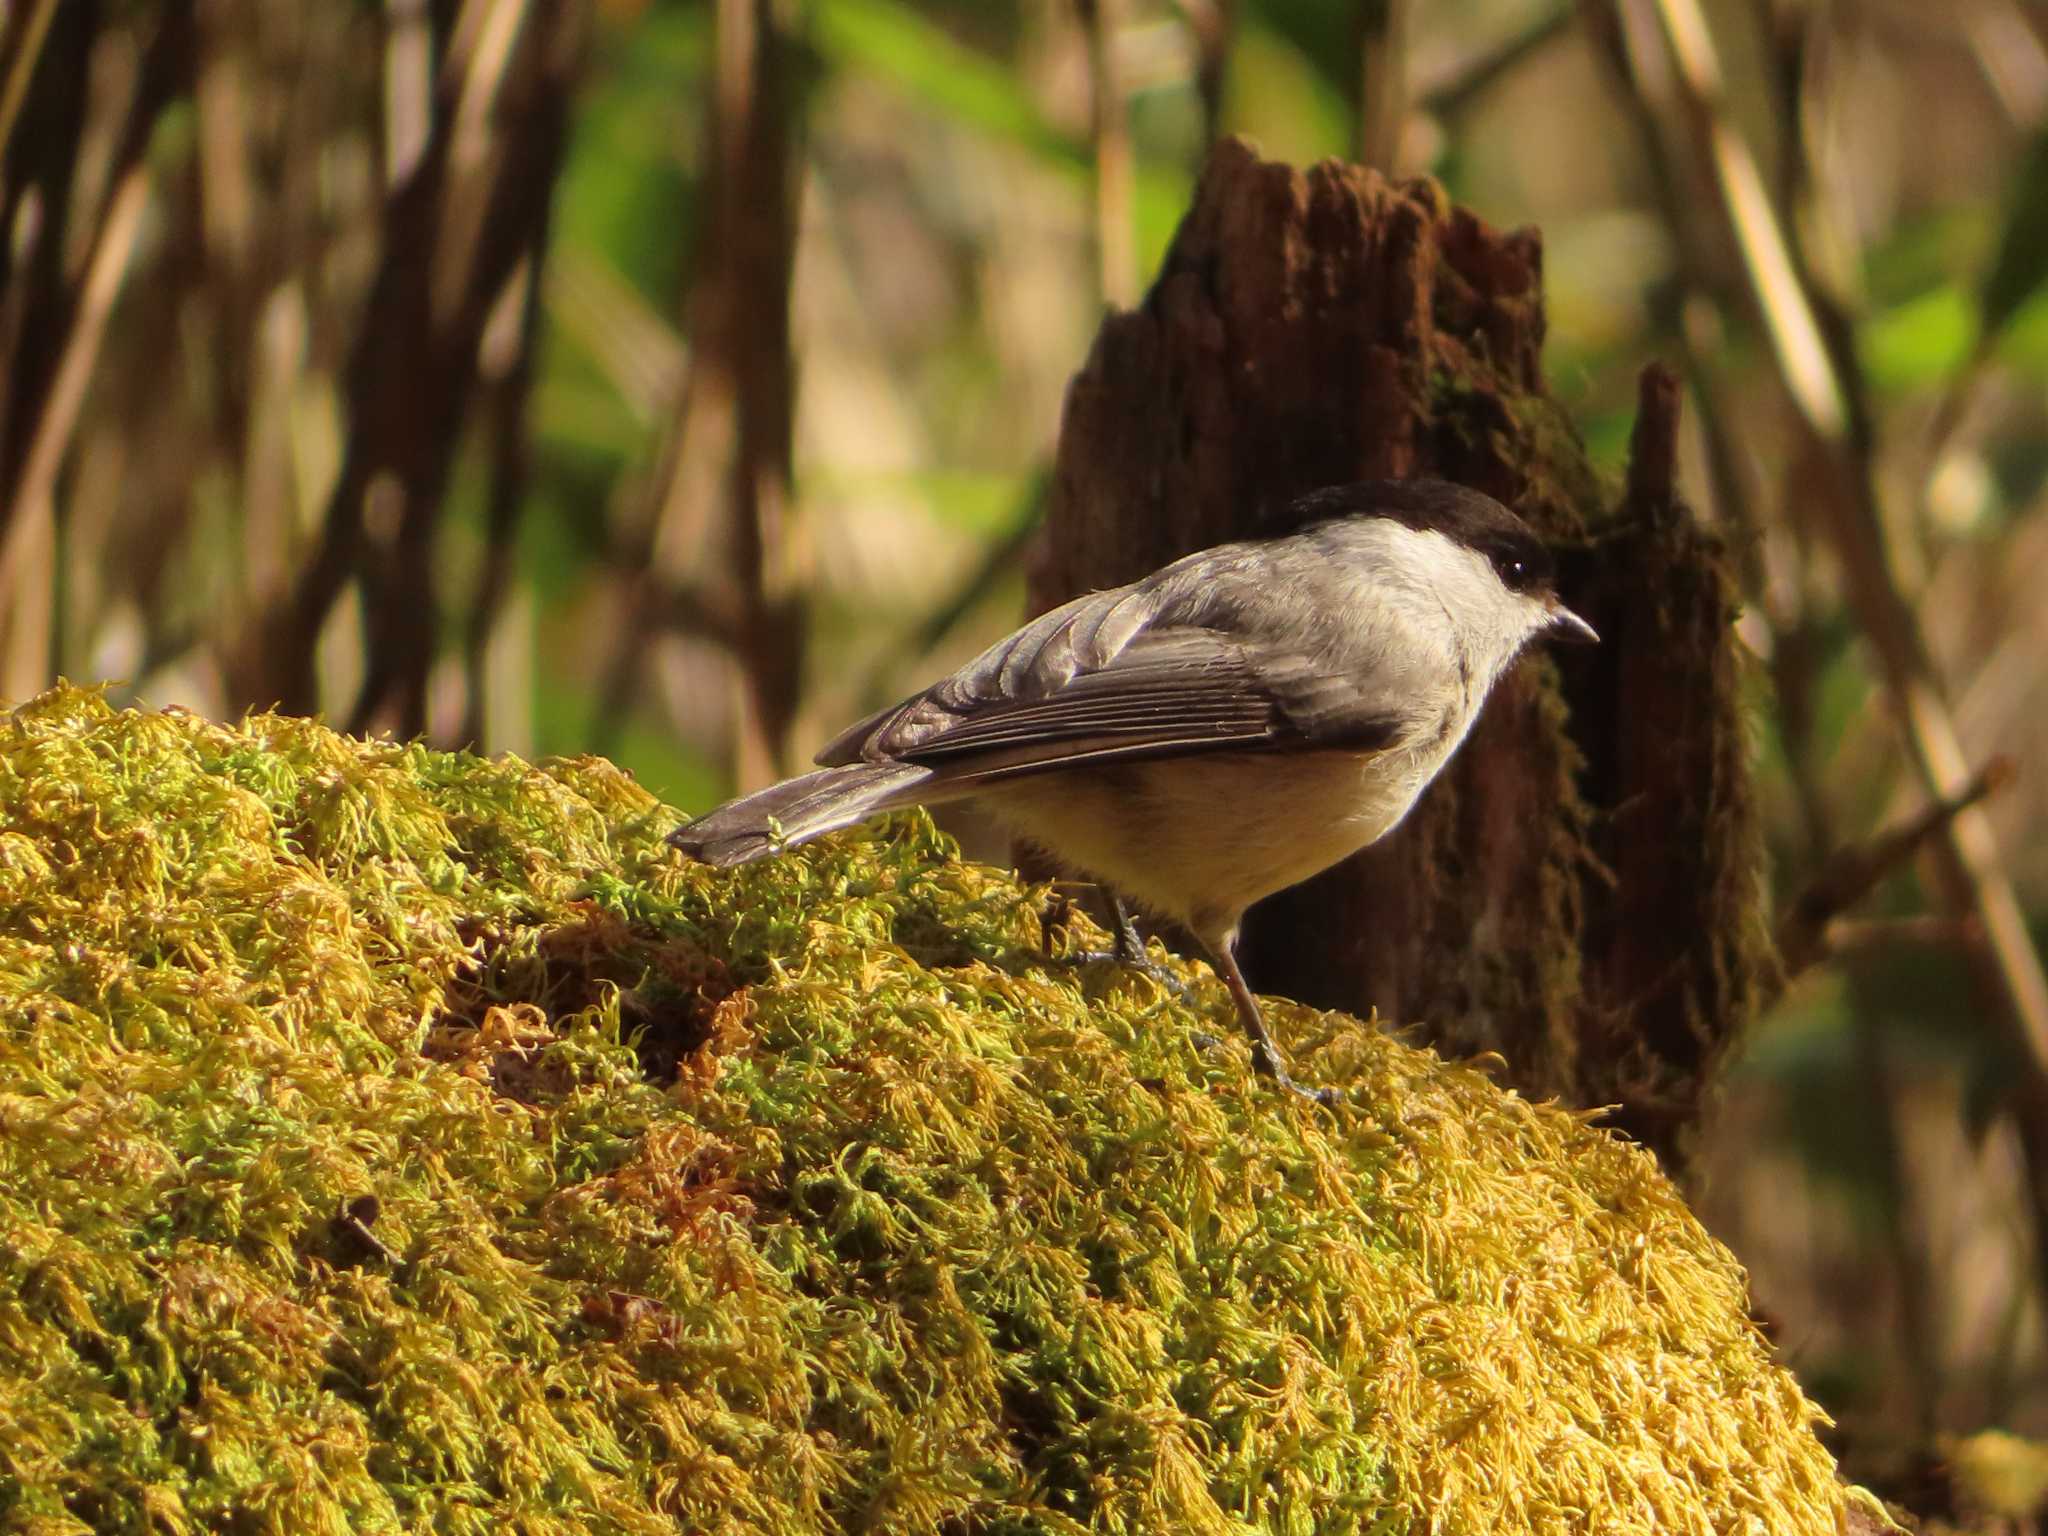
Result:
[[395, 1140]]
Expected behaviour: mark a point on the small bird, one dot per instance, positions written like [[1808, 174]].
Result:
[[1224, 728]]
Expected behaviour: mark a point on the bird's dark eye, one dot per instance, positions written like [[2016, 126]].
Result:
[[1522, 564], [1516, 573]]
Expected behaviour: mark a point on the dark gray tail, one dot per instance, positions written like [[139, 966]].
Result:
[[797, 810]]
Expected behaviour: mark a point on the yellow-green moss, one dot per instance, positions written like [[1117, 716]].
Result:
[[395, 1140]]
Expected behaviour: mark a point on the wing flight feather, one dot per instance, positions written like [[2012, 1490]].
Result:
[[1143, 671]]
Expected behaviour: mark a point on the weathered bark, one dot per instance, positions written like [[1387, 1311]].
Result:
[[1580, 892]]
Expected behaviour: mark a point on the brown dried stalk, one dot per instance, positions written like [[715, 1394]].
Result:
[[455, 231], [1809, 931], [1115, 173], [30, 25], [724, 493], [1382, 81], [1825, 384], [1821, 382], [56, 364]]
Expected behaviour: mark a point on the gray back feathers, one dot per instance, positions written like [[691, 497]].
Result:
[[1339, 637]]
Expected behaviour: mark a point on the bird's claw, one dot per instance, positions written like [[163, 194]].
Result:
[[1151, 969], [1129, 949], [1267, 1061], [1126, 948]]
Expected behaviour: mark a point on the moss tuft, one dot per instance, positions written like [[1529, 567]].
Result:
[[396, 1140]]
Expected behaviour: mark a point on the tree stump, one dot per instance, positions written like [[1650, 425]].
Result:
[[1580, 892]]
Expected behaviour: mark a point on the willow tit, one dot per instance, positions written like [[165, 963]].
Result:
[[1224, 728]]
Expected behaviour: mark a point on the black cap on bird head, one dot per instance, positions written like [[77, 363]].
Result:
[[1468, 517]]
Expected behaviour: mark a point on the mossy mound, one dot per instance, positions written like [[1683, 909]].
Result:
[[396, 1140]]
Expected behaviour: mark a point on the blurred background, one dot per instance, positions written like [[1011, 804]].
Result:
[[676, 379]]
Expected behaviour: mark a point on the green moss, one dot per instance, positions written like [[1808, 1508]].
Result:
[[1564, 481], [396, 1140]]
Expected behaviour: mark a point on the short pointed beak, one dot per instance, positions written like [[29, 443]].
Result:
[[1569, 628]]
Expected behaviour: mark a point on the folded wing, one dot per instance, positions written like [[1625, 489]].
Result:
[[1145, 671]]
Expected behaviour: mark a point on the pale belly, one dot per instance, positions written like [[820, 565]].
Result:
[[1200, 839]]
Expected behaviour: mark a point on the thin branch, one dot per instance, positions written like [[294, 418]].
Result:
[[998, 563], [27, 520], [28, 544], [508, 389], [2010, 55], [1115, 177], [113, 243], [1382, 81], [1848, 936], [40, 165], [1789, 319], [399, 414], [1212, 23], [1450, 97], [635, 345], [507, 80], [1814, 378], [759, 213], [1793, 657], [731, 446], [408, 88], [1900, 1214], [1806, 934], [1824, 380], [33, 25], [453, 233]]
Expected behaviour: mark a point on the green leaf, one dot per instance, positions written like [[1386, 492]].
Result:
[[1161, 201], [627, 189], [1322, 37], [1281, 96], [2023, 344], [1607, 438], [1927, 250], [2021, 266], [893, 41], [1919, 342], [981, 503]]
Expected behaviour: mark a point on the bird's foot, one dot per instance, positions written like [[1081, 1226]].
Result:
[[1266, 1056], [1145, 965], [1127, 948], [1267, 1061]]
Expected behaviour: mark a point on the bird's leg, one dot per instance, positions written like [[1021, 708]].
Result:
[[1265, 1054], [1127, 947]]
